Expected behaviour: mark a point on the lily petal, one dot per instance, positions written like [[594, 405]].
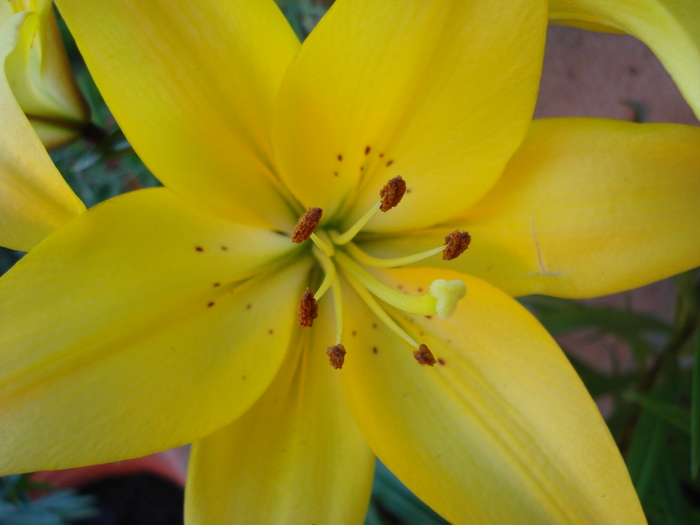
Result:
[[439, 93], [42, 81], [586, 207], [192, 85], [34, 198], [295, 457], [151, 329], [500, 430], [671, 29]]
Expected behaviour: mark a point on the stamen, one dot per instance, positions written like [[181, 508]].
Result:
[[344, 238], [326, 247], [392, 193], [338, 307], [336, 355], [308, 309], [329, 270], [456, 242], [306, 225], [447, 294], [357, 253], [378, 310], [424, 356], [415, 304]]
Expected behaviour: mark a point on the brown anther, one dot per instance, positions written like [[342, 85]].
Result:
[[336, 355], [306, 225], [392, 193], [456, 242], [308, 309], [424, 356]]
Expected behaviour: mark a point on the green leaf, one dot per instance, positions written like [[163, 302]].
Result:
[[392, 497], [597, 382], [667, 488], [563, 315], [112, 146], [695, 411], [669, 411]]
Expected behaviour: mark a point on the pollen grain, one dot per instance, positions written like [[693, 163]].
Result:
[[306, 225], [336, 355], [424, 356], [308, 309], [392, 193], [455, 244]]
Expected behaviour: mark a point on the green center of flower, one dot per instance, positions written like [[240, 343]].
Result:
[[335, 252]]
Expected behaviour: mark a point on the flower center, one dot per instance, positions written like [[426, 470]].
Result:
[[332, 249]]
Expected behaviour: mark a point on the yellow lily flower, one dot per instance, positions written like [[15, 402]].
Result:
[[171, 315], [671, 29], [40, 76], [34, 197]]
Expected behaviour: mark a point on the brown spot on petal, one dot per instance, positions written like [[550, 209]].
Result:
[[216, 285], [308, 309], [456, 242], [340, 158], [306, 225], [336, 356], [389, 163], [441, 361], [367, 150], [199, 248], [210, 304], [392, 193], [374, 350], [224, 248], [424, 356]]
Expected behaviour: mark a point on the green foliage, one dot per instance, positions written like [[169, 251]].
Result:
[[56, 508]]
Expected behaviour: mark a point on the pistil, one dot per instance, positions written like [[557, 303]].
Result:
[[415, 304], [378, 310]]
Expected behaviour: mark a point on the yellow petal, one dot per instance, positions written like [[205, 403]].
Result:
[[192, 85], [671, 28], [500, 430], [586, 207], [129, 331], [440, 93], [295, 457], [42, 81], [34, 198]]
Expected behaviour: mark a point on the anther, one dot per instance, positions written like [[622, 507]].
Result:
[[424, 356], [455, 244], [336, 355], [392, 193], [306, 225], [308, 309]]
